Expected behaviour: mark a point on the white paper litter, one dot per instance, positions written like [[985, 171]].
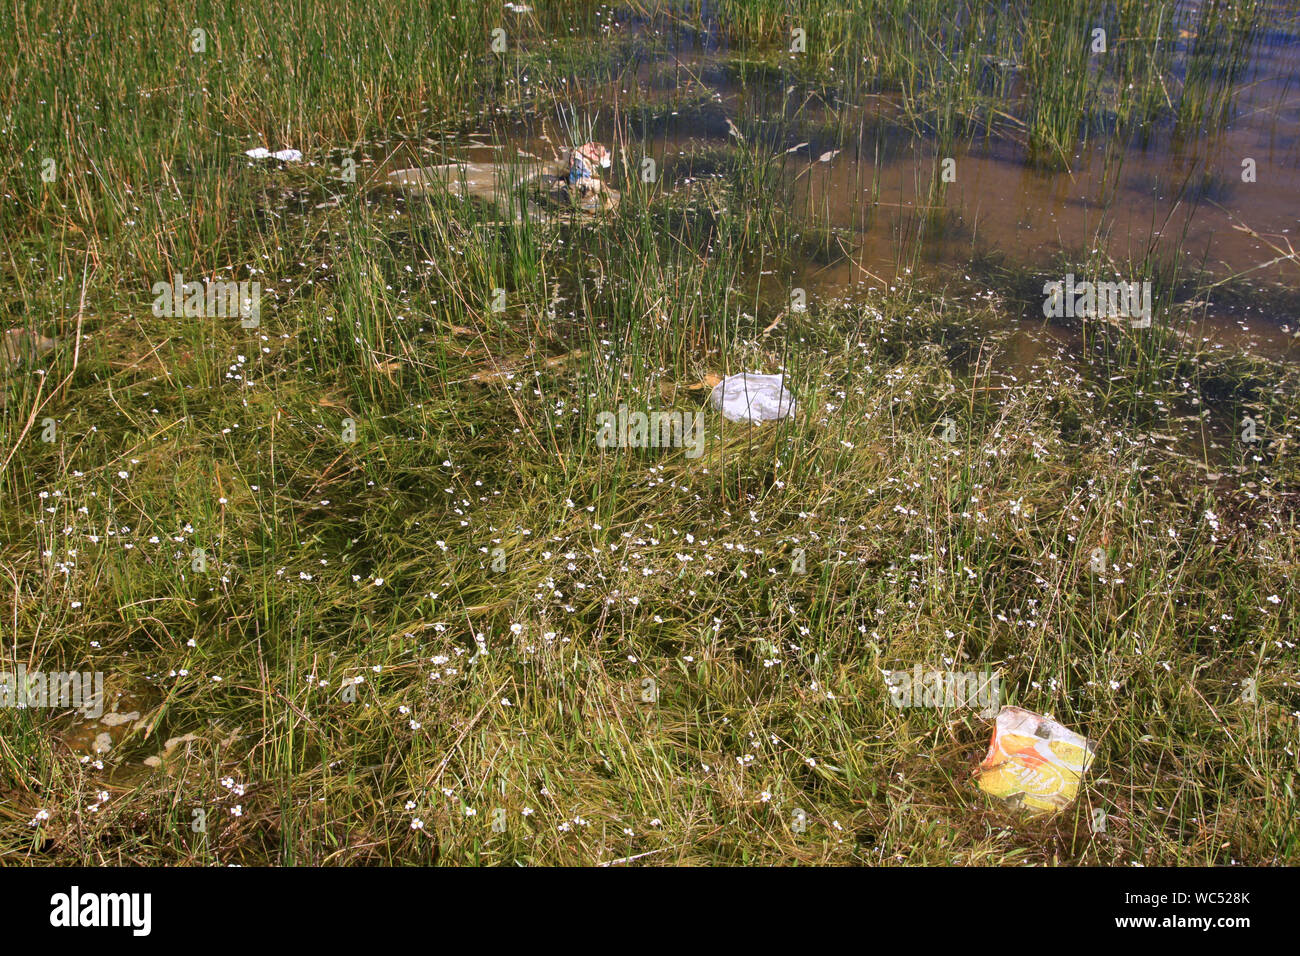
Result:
[[750, 397], [284, 155]]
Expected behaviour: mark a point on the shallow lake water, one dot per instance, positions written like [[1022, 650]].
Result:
[[855, 169]]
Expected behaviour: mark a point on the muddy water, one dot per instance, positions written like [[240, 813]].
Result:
[[1186, 193], [1167, 198], [1172, 199]]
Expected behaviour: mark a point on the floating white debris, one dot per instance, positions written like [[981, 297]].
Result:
[[501, 183], [750, 397], [284, 155]]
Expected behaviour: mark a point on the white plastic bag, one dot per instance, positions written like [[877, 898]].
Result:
[[284, 155], [750, 397]]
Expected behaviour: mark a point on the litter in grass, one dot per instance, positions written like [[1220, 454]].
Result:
[[492, 182], [571, 183], [1034, 762], [751, 397], [283, 155]]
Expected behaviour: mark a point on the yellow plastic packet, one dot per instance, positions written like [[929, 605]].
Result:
[[1034, 761]]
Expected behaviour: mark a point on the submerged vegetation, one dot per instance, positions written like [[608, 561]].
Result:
[[364, 587]]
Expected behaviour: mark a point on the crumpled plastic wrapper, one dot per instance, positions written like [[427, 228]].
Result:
[[561, 185], [584, 160], [750, 397], [283, 155], [1034, 762]]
